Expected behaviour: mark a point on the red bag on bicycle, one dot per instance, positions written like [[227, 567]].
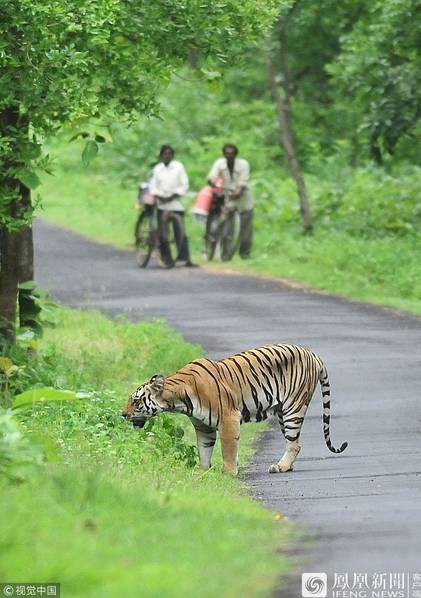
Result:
[[205, 198], [203, 201]]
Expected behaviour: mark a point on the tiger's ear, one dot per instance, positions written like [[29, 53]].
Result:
[[157, 383]]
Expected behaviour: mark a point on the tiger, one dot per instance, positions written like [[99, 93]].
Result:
[[219, 396]]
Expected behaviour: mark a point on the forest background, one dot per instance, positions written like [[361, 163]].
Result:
[[347, 76]]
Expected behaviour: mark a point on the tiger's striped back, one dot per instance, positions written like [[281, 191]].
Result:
[[278, 379], [272, 376]]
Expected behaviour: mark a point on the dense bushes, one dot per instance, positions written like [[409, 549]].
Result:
[[122, 356], [369, 201]]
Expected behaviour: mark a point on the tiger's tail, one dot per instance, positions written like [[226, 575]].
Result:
[[325, 385]]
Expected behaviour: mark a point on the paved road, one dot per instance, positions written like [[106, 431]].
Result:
[[361, 510]]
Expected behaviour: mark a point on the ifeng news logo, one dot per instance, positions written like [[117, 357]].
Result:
[[314, 585]]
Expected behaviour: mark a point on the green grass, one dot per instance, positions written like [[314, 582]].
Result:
[[105, 532], [383, 269], [88, 200], [116, 511]]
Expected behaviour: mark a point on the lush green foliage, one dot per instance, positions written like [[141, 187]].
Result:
[[197, 135], [108, 509], [380, 65], [66, 61], [131, 352], [354, 74], [384, 271], [19, 457]]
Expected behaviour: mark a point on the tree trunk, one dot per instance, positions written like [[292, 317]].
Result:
[[9, 268], [282, 101], [28, 309], [26, 254], [193, 58], [375, 150], [15, 266]]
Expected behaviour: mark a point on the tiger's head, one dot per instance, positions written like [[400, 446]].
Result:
[[144, 402]]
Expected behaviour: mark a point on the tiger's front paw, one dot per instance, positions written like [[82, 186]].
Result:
[[280, 468]]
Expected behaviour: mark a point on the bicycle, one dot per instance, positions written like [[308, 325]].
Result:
[[222, 228], [148, 235]]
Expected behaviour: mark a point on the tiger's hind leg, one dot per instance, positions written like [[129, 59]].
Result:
[[291, 428], [206, 438], [287, 461]]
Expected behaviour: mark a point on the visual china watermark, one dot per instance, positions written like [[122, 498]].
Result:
[[361, 585], [30, 589]]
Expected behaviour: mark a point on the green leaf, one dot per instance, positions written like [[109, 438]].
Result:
[[29, 285], [28, 178], [83, 395], [43, 395], [210, 75], [31, 151], [82, 134], [25, 335], [5, 363], [90, 152], [12, 370], [8, 367]]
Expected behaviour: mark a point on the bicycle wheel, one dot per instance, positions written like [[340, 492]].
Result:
[[211, 236], [173, 233], [230, 236], [144, 238]]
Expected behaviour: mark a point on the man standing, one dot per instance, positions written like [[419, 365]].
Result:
[[235, 173], [168, 184]]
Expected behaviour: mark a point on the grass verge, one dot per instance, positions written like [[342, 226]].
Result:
[[116, 511], [380, 271]]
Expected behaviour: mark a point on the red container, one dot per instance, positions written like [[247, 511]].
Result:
[[203, 201], [205, 198]]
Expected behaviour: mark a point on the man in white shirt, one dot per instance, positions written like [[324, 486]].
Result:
[[235, 173], [168, 184]]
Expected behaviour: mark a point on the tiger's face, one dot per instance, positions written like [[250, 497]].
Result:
[[144, 403]]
